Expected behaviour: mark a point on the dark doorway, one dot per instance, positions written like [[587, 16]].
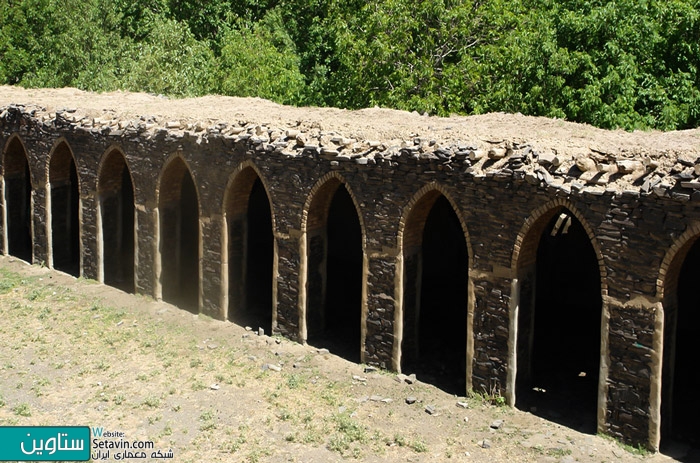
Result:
[[335, 299], [117, 210], [65, 211], [18, 201], [681, 376], [435, 309], [559, 327], [179, 237], [251, 254]]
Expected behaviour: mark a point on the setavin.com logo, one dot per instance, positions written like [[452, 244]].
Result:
[[44, 443]]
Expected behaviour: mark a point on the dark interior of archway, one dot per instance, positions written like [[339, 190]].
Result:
[[180, 248], [565, 335], [442, 321], [65, 224], [686, 382], [258, 310], [343, 303], [18, 196], [118, 235]]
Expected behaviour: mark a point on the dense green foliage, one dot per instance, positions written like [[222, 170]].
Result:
[[623, 63]]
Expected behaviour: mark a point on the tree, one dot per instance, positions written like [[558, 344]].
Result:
[[171, 62], [261, 60], [416, 55], [629, 63]]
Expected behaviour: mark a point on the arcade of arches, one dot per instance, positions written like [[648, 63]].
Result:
[[578, 307]]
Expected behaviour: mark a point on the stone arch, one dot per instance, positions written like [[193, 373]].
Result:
[[64, 207], [670, 267], [433, 187], [330, 202], [116, 221], [529, 291], [17, 198], [179, 243], [676, 341], [441, 335], [525, 247], [248, 249], [326, 183]]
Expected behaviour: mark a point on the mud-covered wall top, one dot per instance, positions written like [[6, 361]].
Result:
[[561, 154]]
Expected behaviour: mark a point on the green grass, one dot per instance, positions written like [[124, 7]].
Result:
[[416, 444], [638, 449], [22, 409], [151, 401]]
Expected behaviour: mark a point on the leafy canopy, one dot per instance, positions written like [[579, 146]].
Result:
[[623, 63]]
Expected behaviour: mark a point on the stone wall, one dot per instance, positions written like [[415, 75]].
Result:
[[498, 192]]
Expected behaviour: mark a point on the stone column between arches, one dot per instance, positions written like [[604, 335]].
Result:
[[210, 270], [40, 224], [379, 343], [285, 291], [629, 405], [88, 233], [144, 266]]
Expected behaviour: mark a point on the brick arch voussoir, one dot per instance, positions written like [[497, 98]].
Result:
[[107, 157], [312, 197], [16, 138], [236, 178], [670, 267], [166, 167], [431, 187], [47, 171], [529, 233]]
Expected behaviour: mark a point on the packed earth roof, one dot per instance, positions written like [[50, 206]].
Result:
[[562, 154]]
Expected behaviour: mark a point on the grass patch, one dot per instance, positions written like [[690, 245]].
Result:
[[348, 432], [416, 444], [491, 398], [208, 419], [295, 381], [558, 452], [638, 449], [22, 409], [151, 401]]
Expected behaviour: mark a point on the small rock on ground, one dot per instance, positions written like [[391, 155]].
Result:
[[484, 444]]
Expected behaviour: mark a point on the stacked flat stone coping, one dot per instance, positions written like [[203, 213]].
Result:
[[640, 208]]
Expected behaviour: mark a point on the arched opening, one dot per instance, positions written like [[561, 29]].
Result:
[[65, 211], [179, 237], [436, 263], [334, 283], [559, 319], [681, 375], [250, 252], [116, 196], [18, 201]]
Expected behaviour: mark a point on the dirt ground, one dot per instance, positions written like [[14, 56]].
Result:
[[74, 352]]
